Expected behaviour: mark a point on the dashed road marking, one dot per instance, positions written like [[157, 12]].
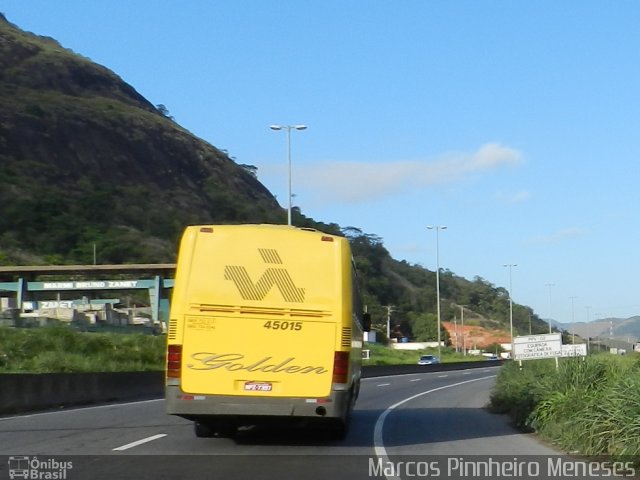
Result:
[[140, 442]]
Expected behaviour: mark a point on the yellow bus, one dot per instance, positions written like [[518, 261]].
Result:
[[265, 326]]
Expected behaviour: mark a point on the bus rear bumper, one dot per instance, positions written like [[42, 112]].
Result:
[[240, 409]]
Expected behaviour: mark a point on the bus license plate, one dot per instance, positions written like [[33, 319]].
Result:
[[258, 387]]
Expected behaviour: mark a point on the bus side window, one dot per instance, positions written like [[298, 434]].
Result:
[[366, 322]]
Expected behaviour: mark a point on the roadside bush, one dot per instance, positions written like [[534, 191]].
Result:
[[519, 390], [589, 405]]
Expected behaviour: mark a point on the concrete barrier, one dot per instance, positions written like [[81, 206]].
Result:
[[385, 370], [23, 392], [27, 392]]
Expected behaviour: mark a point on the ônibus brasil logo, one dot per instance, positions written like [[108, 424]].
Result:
[[33, 468]]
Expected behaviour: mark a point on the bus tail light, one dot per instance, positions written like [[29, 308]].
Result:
[[174, 361], [341, 367]]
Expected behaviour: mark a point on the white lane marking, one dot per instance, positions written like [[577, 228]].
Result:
[[415, 380], [378, 443], [383, 385], [443, 376], [140, 442], [76, 409], [422, 374]]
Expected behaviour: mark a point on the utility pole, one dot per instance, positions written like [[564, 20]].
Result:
[[464, 347], [600, 316], [588, 308], [455, 331], [610, 330], [389, 310]]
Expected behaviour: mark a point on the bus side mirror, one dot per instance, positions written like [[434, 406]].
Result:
[[366, 322]]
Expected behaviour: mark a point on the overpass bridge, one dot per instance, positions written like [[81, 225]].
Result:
[[57, 285]]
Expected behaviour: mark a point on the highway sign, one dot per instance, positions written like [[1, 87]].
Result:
[[577, 350], [532, 347]]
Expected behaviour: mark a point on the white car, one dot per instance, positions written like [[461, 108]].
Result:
[[428, 360]]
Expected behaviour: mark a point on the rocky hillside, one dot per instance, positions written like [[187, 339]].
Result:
[[85, 159]]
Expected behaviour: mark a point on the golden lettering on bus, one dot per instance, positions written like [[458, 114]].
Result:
[[236, 362]]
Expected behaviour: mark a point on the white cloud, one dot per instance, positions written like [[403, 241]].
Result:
[[559, 236], [360, 181]]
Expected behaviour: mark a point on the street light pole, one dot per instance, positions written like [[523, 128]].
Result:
[[437, 228], [550, 285], [573, 320], [288, 128], [511, 265]]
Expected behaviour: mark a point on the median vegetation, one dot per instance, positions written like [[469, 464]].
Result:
[[61, 349], [587, 405]]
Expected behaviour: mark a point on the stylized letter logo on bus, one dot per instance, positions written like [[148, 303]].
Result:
[[272, 276]]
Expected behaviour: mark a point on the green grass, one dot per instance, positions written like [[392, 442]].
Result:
[[61, 349], [590, 406]]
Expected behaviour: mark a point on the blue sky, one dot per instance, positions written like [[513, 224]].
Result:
[[515, 124]]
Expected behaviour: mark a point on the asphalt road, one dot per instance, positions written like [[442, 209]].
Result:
[[425, 418]]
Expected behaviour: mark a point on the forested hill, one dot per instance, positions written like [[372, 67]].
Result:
[[410, 291], [85, 160]]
